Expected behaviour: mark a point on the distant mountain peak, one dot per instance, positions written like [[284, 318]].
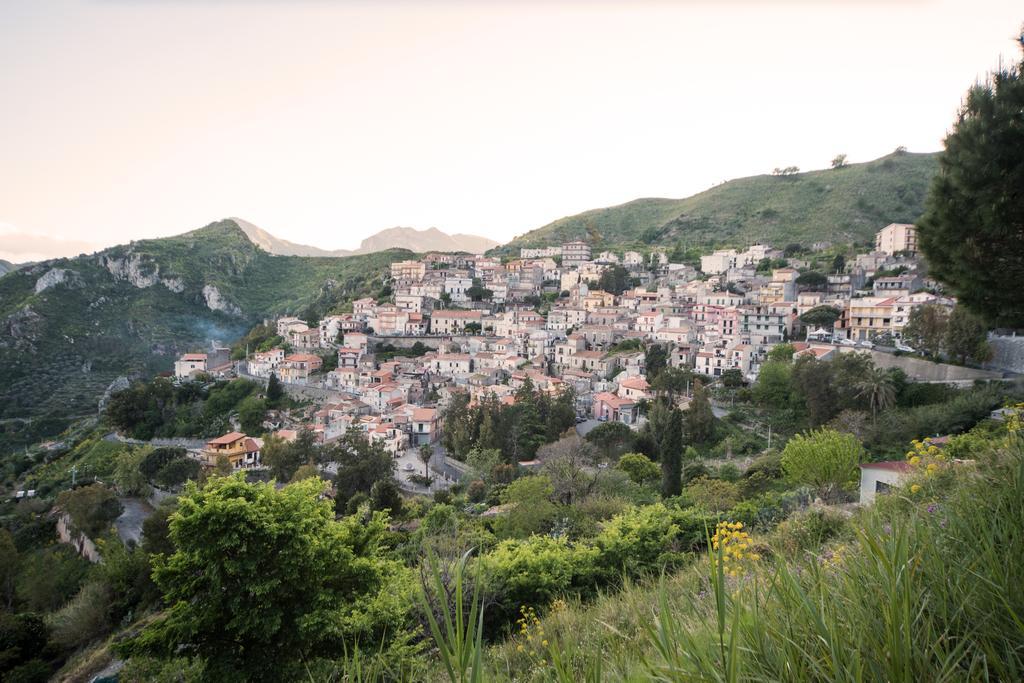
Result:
[[429, 239]]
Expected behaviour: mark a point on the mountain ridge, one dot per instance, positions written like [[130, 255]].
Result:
[[847, 204], [71, 326], [420, 241]]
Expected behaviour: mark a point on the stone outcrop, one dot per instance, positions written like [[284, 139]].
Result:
[[216, 301]]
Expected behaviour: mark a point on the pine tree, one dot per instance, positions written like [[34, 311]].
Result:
[[972, 231]]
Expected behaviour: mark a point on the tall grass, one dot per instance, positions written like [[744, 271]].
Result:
[[925, 586]]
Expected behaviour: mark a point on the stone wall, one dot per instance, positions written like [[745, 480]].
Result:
[[921, 370], [82, 544], [1007, 352]]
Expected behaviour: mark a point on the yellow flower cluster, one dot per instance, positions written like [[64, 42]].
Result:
[[531, 635], [733, 544], [834, 557], [1015, 419], [925, 456]]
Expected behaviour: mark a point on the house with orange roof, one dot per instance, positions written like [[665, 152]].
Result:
[[608, 407], [240, 451], [190, 365]]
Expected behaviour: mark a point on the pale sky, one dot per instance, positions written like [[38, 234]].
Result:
[[324, 122]]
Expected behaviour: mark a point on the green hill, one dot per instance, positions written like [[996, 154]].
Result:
[[69, 327], [838, 205]]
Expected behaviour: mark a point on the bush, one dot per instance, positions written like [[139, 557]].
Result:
[[809, 529], [175, 473], [477, 491], [92, 508], [824, 459], [712, 495]]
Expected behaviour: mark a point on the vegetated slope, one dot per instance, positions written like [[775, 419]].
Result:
[[838, 205], [69, 327], [419, 241], [6, 267]]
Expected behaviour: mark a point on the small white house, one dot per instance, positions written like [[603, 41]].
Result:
[[880, 477]]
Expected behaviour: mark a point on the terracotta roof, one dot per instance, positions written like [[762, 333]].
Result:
[[230, 437], [194, 356]]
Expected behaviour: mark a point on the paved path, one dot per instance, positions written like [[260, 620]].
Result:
[[129, 524]]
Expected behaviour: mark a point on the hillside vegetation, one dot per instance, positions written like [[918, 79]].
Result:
[[847, 204], [69, 327]]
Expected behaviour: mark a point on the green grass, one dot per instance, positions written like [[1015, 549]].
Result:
[[842, 206]]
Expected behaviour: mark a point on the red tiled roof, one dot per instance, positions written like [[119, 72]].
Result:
[[228, 438]]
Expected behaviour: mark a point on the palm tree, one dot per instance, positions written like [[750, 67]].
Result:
[[426, 452], [879, 389]]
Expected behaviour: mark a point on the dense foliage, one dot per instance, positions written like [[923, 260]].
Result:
[[972, 231]]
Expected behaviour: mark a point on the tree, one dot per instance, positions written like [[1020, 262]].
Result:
[[386, 496], [425, 453], [655, 360], [611, 438], [879, 390], [274, 392], [733, 378], [250, 415], [8, 566], [571, 466], [360, 464], [713, 495], [672, 381], [282, 457], [966, 336], [812, 280], [839, 161], [92, 508], [781, 353], [672, 455], [614, 280], [821, 316], [261, 582], [639, 468], [774, 387], [700, 420], [926, 328], [824, 459], [972, 230], [839, 263], [813, 381], [128, 476], [531, 508]]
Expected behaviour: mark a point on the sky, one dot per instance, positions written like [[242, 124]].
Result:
[[325, 121]]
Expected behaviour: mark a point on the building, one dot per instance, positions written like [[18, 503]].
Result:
[[190, 365], [575, 253], [454, 322], [425, 425], [881, 477], [719, 261], [608, 407], [868, 316], [240, 451], [408, 271], [895, 238]]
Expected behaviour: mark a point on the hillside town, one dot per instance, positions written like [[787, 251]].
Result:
[[563, 318]]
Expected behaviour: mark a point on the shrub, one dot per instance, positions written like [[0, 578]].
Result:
[[712, 495], [809, 529], [824, 459]]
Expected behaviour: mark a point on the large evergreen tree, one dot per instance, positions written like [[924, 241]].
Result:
[[672, 455], [972, 231]]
